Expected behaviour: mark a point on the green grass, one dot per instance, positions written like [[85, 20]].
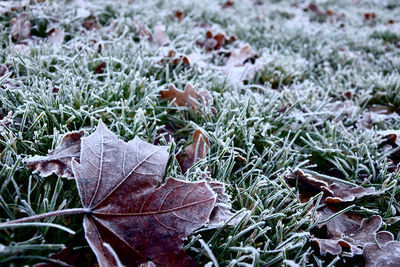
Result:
[[285, 118]]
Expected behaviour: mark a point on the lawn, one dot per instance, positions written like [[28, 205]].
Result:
[[291, 99]]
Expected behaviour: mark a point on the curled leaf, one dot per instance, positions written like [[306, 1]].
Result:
[[333, 192], [195, 151], [59, 160], [346, 193]]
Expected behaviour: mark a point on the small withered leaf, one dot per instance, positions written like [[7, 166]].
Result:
[[118, 182], [59, 160]]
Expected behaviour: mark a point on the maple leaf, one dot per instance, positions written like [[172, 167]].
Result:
[[129, 220], [59, 160], [117, 182]]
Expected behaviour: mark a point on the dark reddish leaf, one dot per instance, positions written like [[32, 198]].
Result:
[[382, 255], [374, 114], [369, 16], [178, 14], [308, 185], [59, 160], [100, 68], [91, 23], [195, 151], [228, 4], [130, 216]]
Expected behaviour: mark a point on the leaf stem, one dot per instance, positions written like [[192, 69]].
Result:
[[49, 214]]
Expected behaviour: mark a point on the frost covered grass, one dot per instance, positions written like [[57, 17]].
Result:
[[327, 86]]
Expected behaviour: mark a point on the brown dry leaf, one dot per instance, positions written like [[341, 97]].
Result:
[[333, 192], [130, 216], [214, 42], [343, 232], [390, 141], [59, 160], [369, 16], [188, 97], [20, 27], [178, 14], [100, 67], [227, 4], [174, 59], [382, 254], [195, 151]]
